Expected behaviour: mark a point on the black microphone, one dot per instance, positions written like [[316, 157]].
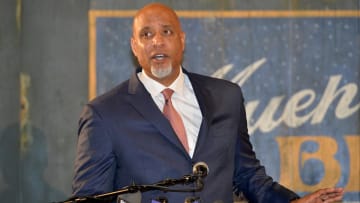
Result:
[[200, 169]]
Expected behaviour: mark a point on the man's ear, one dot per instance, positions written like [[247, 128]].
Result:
[[133, 46], [183, 38]]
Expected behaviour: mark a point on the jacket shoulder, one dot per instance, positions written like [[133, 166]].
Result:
[[111, 95], [213, 83]]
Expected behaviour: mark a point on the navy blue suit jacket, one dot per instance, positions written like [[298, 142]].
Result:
[[124, 138]]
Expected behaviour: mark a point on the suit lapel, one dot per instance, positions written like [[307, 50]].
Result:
[[206, 106], [142, 101]]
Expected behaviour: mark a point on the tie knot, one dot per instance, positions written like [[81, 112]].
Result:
[[167, 93]]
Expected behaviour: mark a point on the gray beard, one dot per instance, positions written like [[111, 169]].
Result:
[[161, 72]]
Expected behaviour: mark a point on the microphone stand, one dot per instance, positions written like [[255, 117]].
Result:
[[163, 185]]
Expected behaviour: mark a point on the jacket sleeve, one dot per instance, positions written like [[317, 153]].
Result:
[[250, 176], [94, 162]]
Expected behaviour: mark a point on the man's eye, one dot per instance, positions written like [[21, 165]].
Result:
[[146, 34], [168, 32]]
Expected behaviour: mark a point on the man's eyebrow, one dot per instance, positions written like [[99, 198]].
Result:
[[144, 29], [167, 26]]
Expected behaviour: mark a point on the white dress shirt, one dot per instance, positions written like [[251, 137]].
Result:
[[183, 100]]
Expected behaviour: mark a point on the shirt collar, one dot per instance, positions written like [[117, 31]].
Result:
[[155, 88]]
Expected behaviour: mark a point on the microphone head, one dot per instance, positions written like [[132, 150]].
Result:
[[200, 169]]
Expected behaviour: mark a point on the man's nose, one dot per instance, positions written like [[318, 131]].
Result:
[[158, 40]]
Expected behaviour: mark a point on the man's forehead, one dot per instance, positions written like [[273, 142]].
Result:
[[143, 22], [157, 9], [153, 16], [157, 25]]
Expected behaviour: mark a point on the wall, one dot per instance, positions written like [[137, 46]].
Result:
[[49, 50]]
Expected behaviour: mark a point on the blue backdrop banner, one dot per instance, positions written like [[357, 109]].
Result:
[[299, 72]]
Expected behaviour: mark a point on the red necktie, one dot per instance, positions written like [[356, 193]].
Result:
[[174, 117]]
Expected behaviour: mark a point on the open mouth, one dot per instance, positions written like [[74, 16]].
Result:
[[159, 57]]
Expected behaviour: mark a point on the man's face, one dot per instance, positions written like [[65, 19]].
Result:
[[158, 43]]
